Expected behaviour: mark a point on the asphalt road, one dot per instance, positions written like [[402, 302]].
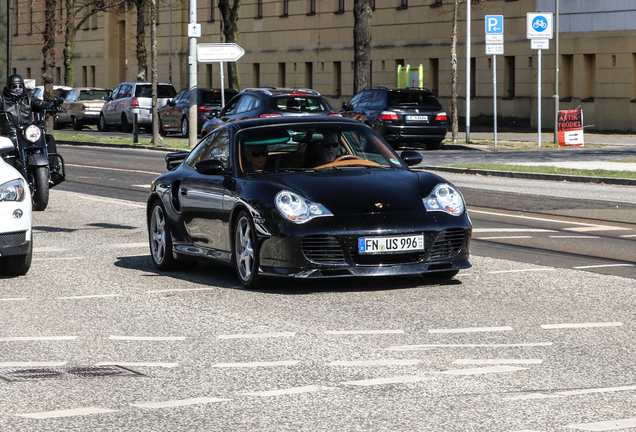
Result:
[[508, 346]]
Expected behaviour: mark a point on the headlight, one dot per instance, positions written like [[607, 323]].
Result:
[[445, 198], [33, 133], [12, 191], [297, 209]]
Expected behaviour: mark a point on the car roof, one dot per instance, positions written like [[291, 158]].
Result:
[[274, 91], [403, 89], [248, 123]]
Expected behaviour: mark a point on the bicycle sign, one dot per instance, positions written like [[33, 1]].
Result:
[[539, 25]]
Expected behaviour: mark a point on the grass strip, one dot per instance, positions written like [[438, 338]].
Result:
[[549, 170], [105, 139]]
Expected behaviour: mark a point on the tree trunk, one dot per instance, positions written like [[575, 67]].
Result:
[[142, 54], [230, 31], [69, 43], [454, 115], [48, 53], [361, 45], [153, 73]]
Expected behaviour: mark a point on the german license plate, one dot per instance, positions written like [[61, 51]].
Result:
[[380, 245], [417, 118]]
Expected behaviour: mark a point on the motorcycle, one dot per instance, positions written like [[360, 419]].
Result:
[[41, 169]]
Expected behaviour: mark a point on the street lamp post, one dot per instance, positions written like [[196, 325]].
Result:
[[556, 77], [468, 22]]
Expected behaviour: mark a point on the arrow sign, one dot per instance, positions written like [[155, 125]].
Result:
[[219, 52]]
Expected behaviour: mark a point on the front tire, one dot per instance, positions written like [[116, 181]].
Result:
[[160, 239], [40, 193], [184, 127], [17, 265], [102, 126], [246, 253]]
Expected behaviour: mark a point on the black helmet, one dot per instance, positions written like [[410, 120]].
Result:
[[14, 79]]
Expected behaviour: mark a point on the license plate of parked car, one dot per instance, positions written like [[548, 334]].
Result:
[[417, 118], [373, 245]]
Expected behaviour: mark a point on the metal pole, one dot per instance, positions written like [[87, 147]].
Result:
[[539, 98], [222, 87], [170, 41], [468, 22], [556, 78], [494, 92], [192, 79]]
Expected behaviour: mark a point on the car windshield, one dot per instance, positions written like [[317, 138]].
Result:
[[299, 103], [309, 147], [412, 99], [93, 94], [163, 91]]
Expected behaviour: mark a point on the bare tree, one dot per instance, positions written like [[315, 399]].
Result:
[[48, 53], [361, 44], [77, 13], [229, 13], [142, 53]]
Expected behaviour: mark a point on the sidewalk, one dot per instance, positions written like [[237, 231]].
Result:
[[591, 138]]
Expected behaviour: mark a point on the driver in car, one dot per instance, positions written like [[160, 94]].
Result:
[[256, 157], [327, 150]]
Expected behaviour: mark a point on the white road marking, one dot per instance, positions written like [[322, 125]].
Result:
[[502, 237], [503, 230], [48, 249], [257, 335], [37, 338], [597, 228], [145, 186], [129, 245], [257, 364], [580, 325], [532, 396], [522, 270], [603, 265], [431, 346], [362, 332], [148, 338], [390, 380], [497, 361], [88, 296], [591, 227], [388, 362], [629, 235], [31, 364], [470, 330], [574, 236], [596, 390], [293, 390], [181, 289], [104, 200], [13, 299], [484, 370], [66, 413], [75, 258], [178, 403], [114, 169], [138, 364], [605, 425]]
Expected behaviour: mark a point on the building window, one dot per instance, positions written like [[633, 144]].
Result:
[[15, 17], [208, 75], [28, 73], [85, 76], [509, 77], [309, 75], [341, 7], [473, 77], [259, 9], [337, 79], [566, 78], [281, 74], [437, 3], [212, 11], [256, 74], [433, 76], [372, 5], [312, 7], [404, 4], [285, 9], [589, 77]]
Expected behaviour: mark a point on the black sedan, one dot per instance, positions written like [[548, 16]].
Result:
[[301, 198]]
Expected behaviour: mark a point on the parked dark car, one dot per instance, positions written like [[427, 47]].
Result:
[[402, 116], [173, 116], [130, 98], [271, 102], [82, 106], [305, 198]]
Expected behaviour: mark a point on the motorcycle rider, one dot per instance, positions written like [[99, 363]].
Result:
[[17, 101]]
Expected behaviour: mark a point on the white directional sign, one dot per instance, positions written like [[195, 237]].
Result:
[[496, 39], [539, 25], [492, 49], [194, 30], [540, 44], [219, 52]]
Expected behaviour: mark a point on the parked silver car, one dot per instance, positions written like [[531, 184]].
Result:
[[131, 98], [82, 106]]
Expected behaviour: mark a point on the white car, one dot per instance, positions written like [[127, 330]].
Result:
[[16, 246]]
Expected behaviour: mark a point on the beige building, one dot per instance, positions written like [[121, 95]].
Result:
[[308, 43]]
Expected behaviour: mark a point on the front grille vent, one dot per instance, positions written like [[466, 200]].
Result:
[[323, 250], [15, 238], [447, 244]]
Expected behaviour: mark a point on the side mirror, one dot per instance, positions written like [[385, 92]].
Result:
[[213, 113], [171, 102], [411, 157], [173, 160], [6, 145], [209, 166], [347, 107]]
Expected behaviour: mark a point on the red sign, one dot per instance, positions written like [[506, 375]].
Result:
[[570, 128]]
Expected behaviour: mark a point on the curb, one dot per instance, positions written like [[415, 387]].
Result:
[[534, 176], [130, 146]]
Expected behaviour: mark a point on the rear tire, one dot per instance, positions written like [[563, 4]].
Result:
[[77, 124], [41, 188], [125, 126], [17, 265], [434, 145], [184, 127]]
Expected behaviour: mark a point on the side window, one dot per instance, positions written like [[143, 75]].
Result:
[[245, 104], [214, 146], [356, 99], [366, 98], [71, 96], [379, 100], [115, 93], [231, 106]]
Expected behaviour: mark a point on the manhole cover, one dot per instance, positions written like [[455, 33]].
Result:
[[41, 373]]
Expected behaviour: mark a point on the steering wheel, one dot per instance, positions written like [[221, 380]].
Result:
[[345, 157]]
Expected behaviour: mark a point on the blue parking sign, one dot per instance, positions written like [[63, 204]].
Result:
[[494, 24]]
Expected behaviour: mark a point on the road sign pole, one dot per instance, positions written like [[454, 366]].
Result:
[[539, 97], [192, 78], [222, 87], [494, 93], [468, 31]]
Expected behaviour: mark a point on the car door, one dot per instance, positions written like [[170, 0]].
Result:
[[169, 111], [109, 105], [70, 107], [202, 196]]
